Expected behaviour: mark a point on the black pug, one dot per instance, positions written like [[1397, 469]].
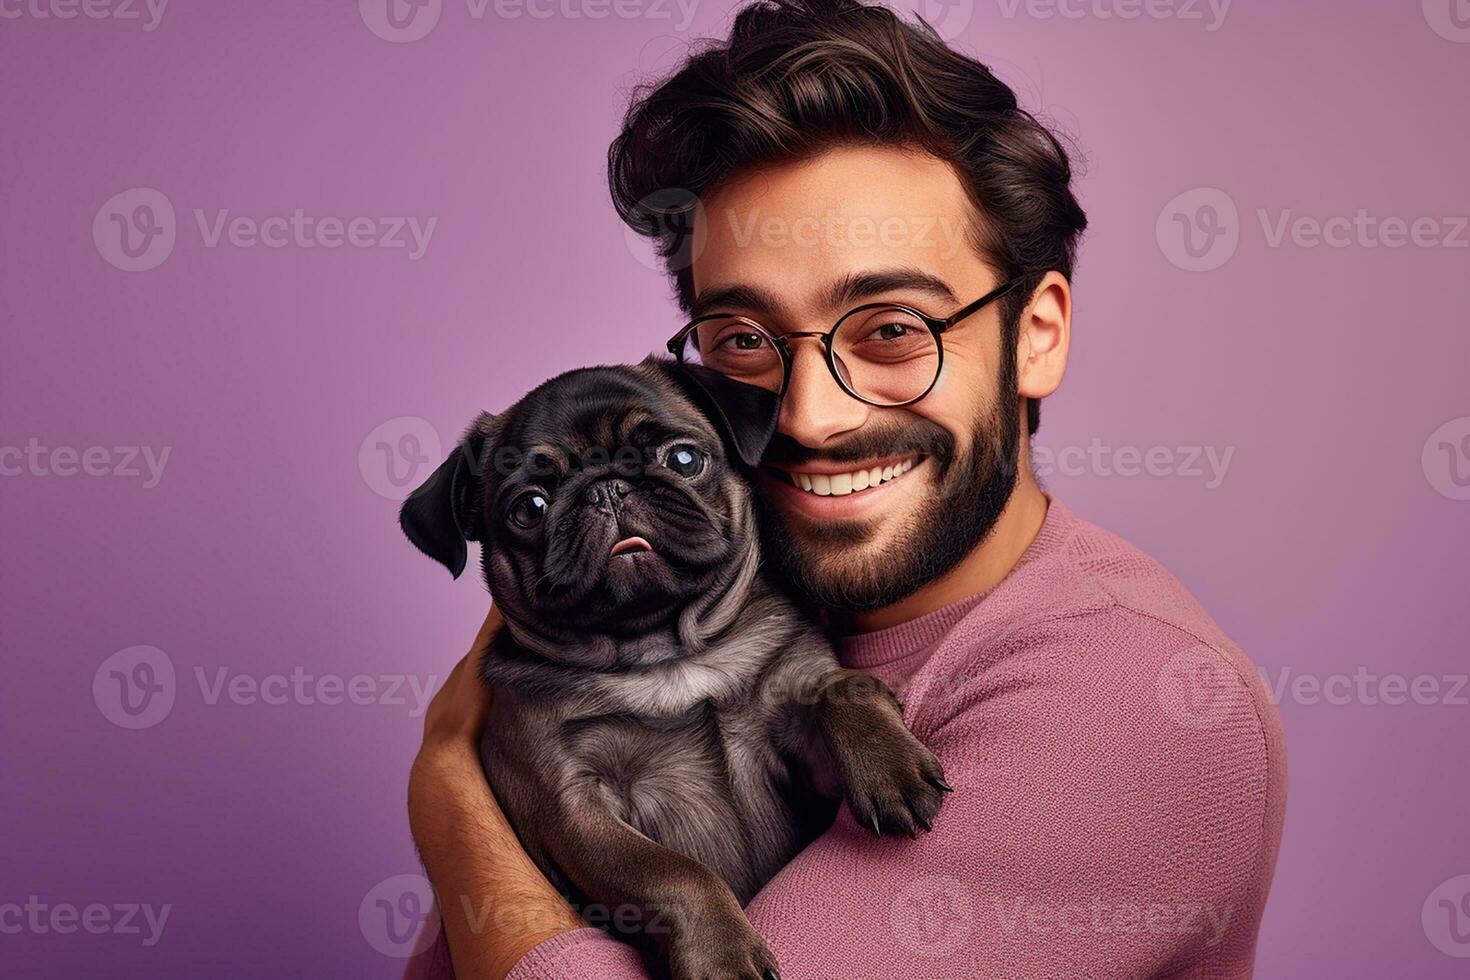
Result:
[[669, 728]]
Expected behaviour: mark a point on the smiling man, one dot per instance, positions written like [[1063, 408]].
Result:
[[866, 222]]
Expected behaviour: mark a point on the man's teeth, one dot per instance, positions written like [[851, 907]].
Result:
[[841, 484]]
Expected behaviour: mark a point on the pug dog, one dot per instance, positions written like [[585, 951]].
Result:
[[668, 727]]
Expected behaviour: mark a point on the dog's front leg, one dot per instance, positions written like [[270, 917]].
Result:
[[681, 912], [891, 782]]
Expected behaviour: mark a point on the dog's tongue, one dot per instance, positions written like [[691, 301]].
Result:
[[629, 545]]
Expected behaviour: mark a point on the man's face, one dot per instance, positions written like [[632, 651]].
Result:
[[795, 246]]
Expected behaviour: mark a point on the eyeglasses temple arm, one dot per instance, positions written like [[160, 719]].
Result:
[[982, 302]]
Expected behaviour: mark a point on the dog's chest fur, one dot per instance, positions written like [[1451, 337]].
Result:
[[687, 750]]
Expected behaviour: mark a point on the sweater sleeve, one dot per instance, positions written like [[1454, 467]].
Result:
[[1099, 828]]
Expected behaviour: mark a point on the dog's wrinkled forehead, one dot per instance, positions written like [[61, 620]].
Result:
[[590, 415]]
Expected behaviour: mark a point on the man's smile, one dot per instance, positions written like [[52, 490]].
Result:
[[837, 490]]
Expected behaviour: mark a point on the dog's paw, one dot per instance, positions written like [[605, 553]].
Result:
[[727, 948], [894, 784]]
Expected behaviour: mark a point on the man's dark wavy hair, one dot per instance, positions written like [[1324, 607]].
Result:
[[797, 77]]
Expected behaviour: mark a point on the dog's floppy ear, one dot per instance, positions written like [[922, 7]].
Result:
[[745, 414], [444, 512]]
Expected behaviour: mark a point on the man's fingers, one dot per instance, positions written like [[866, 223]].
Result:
[[493, 622]]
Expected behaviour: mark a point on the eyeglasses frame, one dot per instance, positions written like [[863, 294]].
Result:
[[781, 342]]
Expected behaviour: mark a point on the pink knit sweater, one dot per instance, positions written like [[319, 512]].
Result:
[[1120, 783]]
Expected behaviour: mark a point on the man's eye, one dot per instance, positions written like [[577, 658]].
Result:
[[529, 510], [685, 460], [743, 341], [892, 331]]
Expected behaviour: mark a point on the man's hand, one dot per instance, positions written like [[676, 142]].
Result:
[[458, 710], [494, 902]]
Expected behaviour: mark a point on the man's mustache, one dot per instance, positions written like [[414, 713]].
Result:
[[906, 436]]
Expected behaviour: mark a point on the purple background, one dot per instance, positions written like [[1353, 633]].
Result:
[[1334, 542]]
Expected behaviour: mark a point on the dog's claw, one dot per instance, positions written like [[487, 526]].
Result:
[[877, 830], [770, 974], [938, 783]]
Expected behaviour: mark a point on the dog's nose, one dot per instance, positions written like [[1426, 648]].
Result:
[[606, 493]]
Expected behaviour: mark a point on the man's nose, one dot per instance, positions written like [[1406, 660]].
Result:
[[606, 494], [815, 408]]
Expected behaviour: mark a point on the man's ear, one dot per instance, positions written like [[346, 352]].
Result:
[[745, 414], [444, 512]]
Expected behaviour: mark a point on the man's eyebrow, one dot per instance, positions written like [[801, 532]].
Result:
[[866, 285], [847, 291], [736, 296]]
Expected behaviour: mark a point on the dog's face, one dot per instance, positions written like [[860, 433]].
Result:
[[605, 499]]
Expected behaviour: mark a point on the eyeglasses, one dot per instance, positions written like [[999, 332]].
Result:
[[885, 354]]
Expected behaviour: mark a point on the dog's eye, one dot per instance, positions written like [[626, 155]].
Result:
[[684, 459], [528, 510]]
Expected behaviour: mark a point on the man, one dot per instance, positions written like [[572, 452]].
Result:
[[1118, 771]]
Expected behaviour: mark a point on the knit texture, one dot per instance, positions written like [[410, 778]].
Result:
[[1119, 788]]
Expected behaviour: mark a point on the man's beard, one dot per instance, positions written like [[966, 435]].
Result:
[[826, 563]]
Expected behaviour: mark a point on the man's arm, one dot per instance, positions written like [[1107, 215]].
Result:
[[1090, 834], [494, 902]]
